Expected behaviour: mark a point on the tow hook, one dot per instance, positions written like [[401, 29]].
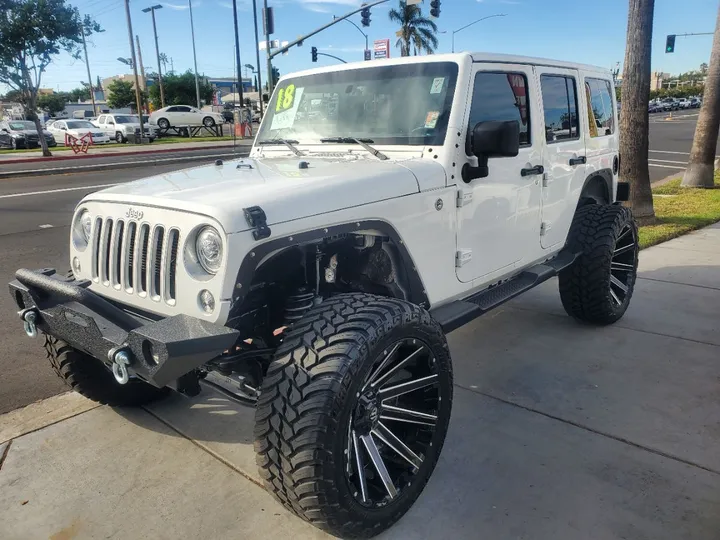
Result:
[[29, 318], [120, 359]]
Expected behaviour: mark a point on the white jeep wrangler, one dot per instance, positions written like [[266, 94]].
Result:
[[382, 205]]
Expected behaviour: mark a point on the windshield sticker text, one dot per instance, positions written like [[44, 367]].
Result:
[[285, 118], [285, 98], [431, 119]]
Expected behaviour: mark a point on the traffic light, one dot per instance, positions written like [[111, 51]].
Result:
[[365, 17], [435, 8], [313, 51], [670, 44]]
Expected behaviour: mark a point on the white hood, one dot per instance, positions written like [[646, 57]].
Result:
[[283, 189]]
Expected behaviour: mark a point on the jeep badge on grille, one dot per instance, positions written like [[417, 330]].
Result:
[[134, 214]]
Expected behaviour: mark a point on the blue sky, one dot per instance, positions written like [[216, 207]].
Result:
[[588, 31]]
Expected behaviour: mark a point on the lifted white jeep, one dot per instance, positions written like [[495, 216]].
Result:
[[383, 205]]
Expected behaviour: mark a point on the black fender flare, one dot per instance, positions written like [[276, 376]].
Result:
[[416, 290], [600, 191]]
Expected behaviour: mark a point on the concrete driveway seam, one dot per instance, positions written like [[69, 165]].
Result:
[[676, 283], [205, 448], [4, 450], [591, 430]]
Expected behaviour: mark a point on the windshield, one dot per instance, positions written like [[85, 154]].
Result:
[[79, 124], [23, 124], [401, 105], [125, 120]]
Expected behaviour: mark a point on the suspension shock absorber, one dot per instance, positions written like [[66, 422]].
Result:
[[298, 304]]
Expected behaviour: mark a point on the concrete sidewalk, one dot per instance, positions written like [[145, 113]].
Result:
[[559, 431], [114, 149]]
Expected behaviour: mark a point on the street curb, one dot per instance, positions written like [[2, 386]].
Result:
[[119, 165], [127, 153]]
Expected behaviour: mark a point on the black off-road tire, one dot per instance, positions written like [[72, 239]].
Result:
[[586, 290], [306, 405], [88, 376]]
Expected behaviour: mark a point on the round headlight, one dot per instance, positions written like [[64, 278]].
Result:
[[85, 224], [209, 249]]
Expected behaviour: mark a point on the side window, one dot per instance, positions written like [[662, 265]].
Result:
[[560, 108], [600, 107], [101, 120], [172, 109], [183, 109], [501, 97]]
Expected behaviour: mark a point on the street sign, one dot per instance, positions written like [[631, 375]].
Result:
[[368, 54], [274, 44], [381, 48]]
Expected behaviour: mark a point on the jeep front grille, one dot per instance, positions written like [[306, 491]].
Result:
[[138, 258]]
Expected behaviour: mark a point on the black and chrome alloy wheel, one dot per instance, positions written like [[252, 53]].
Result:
[[393, 422], [623, 264]]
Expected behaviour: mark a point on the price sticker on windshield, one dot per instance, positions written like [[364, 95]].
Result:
[[285, 98]]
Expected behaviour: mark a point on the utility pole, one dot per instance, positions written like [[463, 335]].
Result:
[[237, 55], [266, 20], [87, 64], [257, 55], [152, 9], [138, 101], [142, 67], [192, 33]]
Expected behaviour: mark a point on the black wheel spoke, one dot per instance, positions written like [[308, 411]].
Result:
[[406, 387], [397, 367], [623, 249], [388, 358], [621, 267], [360, 465], [377, 461], [615, 297], [619, 284], [399, 414], [390, 439]]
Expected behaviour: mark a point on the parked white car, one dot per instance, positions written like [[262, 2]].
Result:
[[315, 279], [119, 126], [76, 128], [183, 116]]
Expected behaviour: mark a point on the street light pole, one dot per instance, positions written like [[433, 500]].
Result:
[[367, 45], [192, 33], [138, 101], [469, 25], [152, 9], [257, 54], [237, 55]]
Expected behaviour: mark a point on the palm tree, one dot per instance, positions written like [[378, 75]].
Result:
[[164, 61], [416, 31]]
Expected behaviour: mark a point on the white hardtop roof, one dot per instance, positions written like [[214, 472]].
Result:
[[456, 57]]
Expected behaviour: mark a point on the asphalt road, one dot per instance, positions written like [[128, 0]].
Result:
[[670, 143], [34, 216]]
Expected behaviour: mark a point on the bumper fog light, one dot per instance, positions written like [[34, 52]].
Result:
[[207, 301]]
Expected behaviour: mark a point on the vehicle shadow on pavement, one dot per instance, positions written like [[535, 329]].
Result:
[[209, 417]]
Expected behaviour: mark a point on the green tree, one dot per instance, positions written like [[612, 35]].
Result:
[[417, 33], [79, 94], [32, 33], [53, 103], [121, 94], [180, 90]]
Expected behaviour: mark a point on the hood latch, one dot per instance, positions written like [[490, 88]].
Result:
[[256, 218]]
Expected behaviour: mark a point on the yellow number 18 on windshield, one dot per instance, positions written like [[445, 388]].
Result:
[[285, 98]]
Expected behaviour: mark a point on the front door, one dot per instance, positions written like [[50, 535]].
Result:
[[498, 224], [564, 156]]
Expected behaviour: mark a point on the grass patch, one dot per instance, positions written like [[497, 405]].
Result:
[[681, 210]]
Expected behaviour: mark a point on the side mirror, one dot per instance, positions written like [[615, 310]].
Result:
[[5, 130], [491, 139]]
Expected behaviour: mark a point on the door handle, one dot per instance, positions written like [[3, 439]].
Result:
[[531, 171], [578, 161]]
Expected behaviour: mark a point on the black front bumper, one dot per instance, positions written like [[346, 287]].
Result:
[[160, 351]]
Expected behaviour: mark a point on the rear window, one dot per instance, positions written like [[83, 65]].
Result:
[[601, 119]]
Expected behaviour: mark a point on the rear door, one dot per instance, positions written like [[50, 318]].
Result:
[[564, 159], [185, 116]]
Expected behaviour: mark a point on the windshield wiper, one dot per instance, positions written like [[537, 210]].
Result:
[[362, 142], [287, 142]]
